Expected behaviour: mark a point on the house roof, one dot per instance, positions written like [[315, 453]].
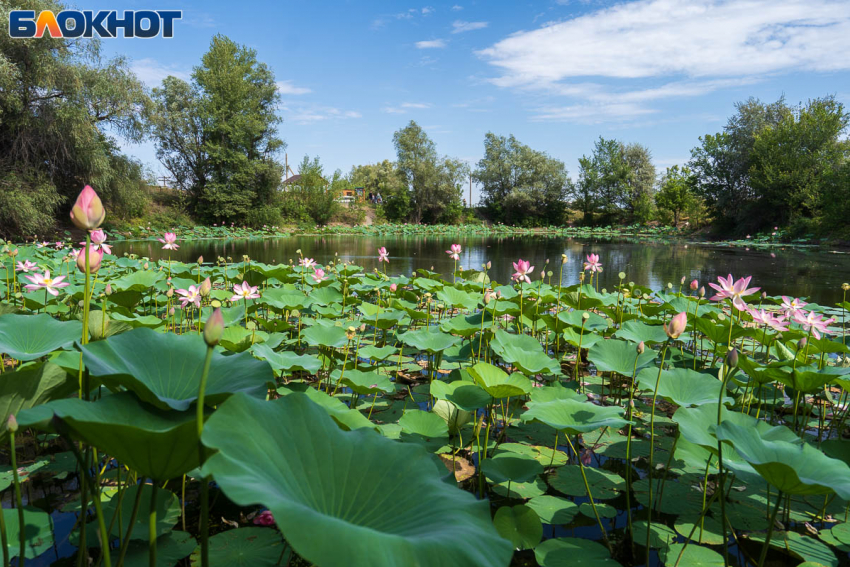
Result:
[[296, 179]]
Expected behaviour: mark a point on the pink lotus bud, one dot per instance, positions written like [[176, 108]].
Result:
[[206, 288], [586, 457], [732, 358], [12, 424], [214, 328], [702, 291], [87, 212], [95, 258], [677, 325], [641, 348], [694, 285], [109, 289], [393, 287], [683, 280]]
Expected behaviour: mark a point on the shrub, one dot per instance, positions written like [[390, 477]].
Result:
[[265, 215], [28, 204]]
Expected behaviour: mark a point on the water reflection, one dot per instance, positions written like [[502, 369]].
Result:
[[813, 273]]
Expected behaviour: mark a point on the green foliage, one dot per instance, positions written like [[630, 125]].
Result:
[[676, 192], [521, 185], [217, 135]]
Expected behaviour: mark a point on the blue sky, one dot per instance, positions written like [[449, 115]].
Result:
[[557, 74]]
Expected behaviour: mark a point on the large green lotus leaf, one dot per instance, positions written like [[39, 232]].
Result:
[[454, 417], [717, 333], [380, 317], [165, 369], [157, 443], [30, 387], [38, 532], [697, 425], [525, 352], [497, 383], [287, 299], [27, 337], [556, 391], [683, 386], [790, 467], [345, 417], [138, 280], [167, 508], [431, 340], [458, 298], [572, 551], [809, 379], [134, 321], [576, 338], [424, 428], [244, 547], [465, 394], [467, 325], [619, 356], [287, 361], [376, 353], [170, 548], [520, 525], [693, 555], [573, 416], [813, 551], [365, 383], [604, 485], [638, 331], [372, 497], [326, 296], [325, 336], [594, 322], [515, 467], [553, 510]]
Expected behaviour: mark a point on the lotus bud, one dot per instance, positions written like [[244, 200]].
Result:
[[172, 311], [490, 265], [694, 285], [14, 253], [801, 344], [563, 258], [581, 277], [350, 332], [362, 327], [702, 291], [87, 212], [669, 285], [547, 260], [682, 282], [200, 260], [732, 358], [206, 288], [95, 258], [214, 328], [641, 348], [109, 289], [845, 286], [170, 293], [393, 287], [498, 294], [677, 325], [12, 424], [146, 265]]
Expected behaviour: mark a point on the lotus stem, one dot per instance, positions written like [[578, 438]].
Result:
[[589, 494], [764, 547], [152, 526], [727, 373], [3, 539], [205, 485], [18, 500], [133, 514], [652, 448]]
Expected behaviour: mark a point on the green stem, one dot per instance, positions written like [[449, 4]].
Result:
[[205, 485], [763, 555], [652, 449], [152, 526], [589, 495], [19, 501]]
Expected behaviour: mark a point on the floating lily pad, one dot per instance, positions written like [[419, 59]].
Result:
[[511, 466], [603, 485], [571, 551], [693, 556], [243, 547], [553, 510], [170, 548], [38, 532], [28, 337], [520, 525]]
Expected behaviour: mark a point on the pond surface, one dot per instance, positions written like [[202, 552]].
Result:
[[815, 273]]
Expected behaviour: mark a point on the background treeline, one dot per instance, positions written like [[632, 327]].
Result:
[[63, 106]]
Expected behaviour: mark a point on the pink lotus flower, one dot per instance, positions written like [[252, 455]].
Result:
[[74, 253], [792, 306], [98, 238], [383, 255], [762, 317], [191, 295], [813, 322], [26, 266], [677, 326], [454, 252], [169, 239], [244, 291], [586, 456], [307, 262], [734, 291], [318, 275], [87, 212], [393, 287], [592, 263], [523, 268], [52, 285], [43, 244], [95, 258], [694, 285], [59, 245], [265, 518]]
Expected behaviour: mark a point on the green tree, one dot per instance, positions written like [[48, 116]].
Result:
[[316, 194], [434, 183], [603, 187], [61, 105], [521, 185], [640, 182], [218, 134], [675, 193], [385, 179]]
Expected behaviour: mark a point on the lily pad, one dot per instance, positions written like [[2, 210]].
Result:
[[27, 337], [243, 547], [571, 551], [520, 525]]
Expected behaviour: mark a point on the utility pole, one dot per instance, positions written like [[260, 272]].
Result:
[[470, 190]]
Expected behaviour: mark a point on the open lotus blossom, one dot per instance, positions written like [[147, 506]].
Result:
[[592, 264], [318, 275], [98, 239], [772, 320], [813, 322], [383, 255], [523, 268], [791, 306], [59, 245], [44, 281], [42, 244], [191, 295], [169, 239], [74, 253], [734, 290], [454, 252], [244, 291], [307, 262], [26, 266]]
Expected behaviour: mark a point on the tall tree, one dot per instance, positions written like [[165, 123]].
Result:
[[385, 179], [640, 182], [434, 183], [62, 102], [675, 193], [522, 185], [603, 186], [218, 134]]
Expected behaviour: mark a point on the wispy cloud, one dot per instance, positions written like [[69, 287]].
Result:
[[406, 106], [460, 26], [152, 72], [457, 8], [312, 113], [287, 88], [431, 44], [408, 14], [690, 47]]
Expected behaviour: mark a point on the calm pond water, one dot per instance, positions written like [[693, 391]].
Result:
[[802, 272]]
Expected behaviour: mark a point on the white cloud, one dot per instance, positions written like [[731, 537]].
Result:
[[431, 44], [287, 88], [406, 106], [427, 10], [152, 72], [312, 113], [457, 8], [460, 26], [686, 47]]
